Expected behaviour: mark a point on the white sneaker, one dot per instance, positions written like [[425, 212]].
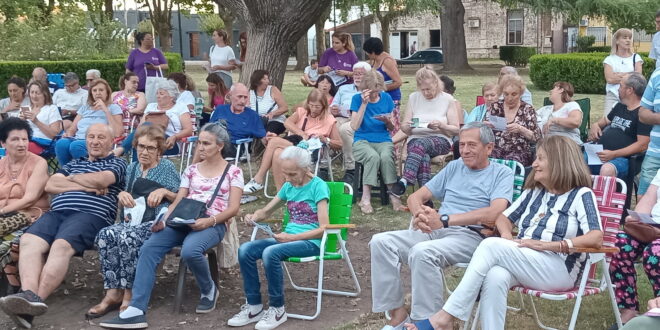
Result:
[[272, 319], [252, 186], [245, 316], [398, 327]]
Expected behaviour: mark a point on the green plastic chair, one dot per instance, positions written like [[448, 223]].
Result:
[[585, 106], [518, 175], [333, 243]]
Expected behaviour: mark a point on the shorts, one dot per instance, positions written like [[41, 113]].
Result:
[[77, 228], [620, 164], [650, 168]]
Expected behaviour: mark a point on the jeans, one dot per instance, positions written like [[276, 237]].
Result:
[[194, 244], [272, 253], [620, 164], [67, 149], [650, 167]]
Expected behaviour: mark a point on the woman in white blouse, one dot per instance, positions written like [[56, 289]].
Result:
[[555, 207], [430, 123], [42, 116], [621, 60], [563, 116], [222, 58]]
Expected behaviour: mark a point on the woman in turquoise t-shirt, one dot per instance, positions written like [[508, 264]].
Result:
[[306, 197]]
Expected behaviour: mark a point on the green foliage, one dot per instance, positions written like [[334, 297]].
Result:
[[66, 36], [598, 49], [516, 55], [583, 70], [111, 70], [584, 42], [211, 22], [146, 26]]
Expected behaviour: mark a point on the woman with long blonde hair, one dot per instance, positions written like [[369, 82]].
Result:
[[621, 60]]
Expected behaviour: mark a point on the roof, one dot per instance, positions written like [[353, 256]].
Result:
[[368, 18]]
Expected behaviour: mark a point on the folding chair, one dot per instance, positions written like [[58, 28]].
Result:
[[611, 196], [518, 175], [245, 144], [187, 150], [333, 245], [55, 80]]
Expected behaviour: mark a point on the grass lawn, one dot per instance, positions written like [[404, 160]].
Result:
[[595, 312]]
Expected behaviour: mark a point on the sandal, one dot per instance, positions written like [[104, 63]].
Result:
[[366, 208], [109, 308]]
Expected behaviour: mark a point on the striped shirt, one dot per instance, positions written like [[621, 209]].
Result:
[[104, 206], [543, 216], [651, 101]]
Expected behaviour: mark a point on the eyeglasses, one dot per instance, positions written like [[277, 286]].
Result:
[[149, 149], [315, 106], [71, 85], [88, 80]]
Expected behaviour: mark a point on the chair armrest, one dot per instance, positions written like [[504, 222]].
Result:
[[191, 138], [118, 139], [348, 225], [241, 141], [592, 250]]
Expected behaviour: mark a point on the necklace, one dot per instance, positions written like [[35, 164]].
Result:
[[13, 174], [544, 202]]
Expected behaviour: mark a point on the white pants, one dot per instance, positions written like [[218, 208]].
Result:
[[427, 255], [346, 134], [497, 265], [610, 101]]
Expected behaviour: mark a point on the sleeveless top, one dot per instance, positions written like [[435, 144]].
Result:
[[19, 186], [395, 93], [126, 103], [264, 104]]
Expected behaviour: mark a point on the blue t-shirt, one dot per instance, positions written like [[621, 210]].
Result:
[[301, 203], [89, 117], [373, 130], [477, 114], [462, 189], [246, 124], [651, 101]]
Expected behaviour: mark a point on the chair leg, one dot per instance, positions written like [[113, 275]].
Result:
[[319, 297], [266, 186], [212, 257], [180, 283], [578, 299], [249, 158], [610, 290], [536, 316]]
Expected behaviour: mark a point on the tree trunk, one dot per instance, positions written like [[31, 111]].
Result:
[[320, 32], [274, 26], [164, 37], [452, 32], [385, 32], [109, 11], [302, 54]]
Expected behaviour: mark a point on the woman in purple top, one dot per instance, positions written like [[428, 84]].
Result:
[[337, 61], [146, 55]]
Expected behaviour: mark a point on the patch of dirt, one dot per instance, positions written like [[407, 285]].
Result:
[[83, 288]]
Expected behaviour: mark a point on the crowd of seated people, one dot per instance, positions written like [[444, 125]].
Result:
[[353, 107]]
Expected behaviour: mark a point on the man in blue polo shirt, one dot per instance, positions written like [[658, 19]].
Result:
[[649, 114], [85, 201], [242, 122]]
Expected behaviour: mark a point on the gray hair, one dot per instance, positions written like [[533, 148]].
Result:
[[485, 133], [637, 82], [509, 70], [299, 155], [170, 87], [94, 72], [362, 65], [219, 131], [70, 76]]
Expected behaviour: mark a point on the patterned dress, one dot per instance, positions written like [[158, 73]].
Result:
[[120, 243], [514, 146], [127, 103]]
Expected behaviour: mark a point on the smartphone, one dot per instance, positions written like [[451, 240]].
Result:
[[25, 108], [415, 123]]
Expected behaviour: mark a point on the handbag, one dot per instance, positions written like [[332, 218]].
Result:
[[642, 232], [142, 187], [13, 221], [158, 118], [189, 208], [150, 84]]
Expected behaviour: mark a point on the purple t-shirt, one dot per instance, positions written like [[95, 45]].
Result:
[[337, 61], [137, 59]]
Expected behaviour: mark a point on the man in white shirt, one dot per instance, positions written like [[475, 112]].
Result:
[[655, 44], [90, 75], [71, 98], [311, 74]]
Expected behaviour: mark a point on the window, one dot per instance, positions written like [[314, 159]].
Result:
[[194, 44], [515, 27]]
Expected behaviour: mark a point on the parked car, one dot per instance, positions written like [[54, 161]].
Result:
[[426, 56]]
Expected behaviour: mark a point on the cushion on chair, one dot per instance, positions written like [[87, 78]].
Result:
[[558, 295]]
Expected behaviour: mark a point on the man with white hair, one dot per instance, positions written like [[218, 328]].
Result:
[[40, 74], [527, 95], [340, 108], [90, 75], [85, 201], [71, 98]]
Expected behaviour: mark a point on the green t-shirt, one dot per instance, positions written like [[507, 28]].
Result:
[[301, 203]]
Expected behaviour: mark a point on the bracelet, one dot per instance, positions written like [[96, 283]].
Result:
[[561, 247], [215, 221], [569, 243]]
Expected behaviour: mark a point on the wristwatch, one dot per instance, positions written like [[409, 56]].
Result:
[[445, 220]]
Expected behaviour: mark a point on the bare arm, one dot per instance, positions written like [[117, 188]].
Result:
[[407, 118], [97, 180], [640, 145], [610, 76], [574, 119], [334, 138], [141, 104], [71, 132], [115, 124], [391, 69], [357, 117], [36, 182], [186, 126], [638, 66], [266, 211], [282, 107], [649, 117], [290, 124], [58, 183]]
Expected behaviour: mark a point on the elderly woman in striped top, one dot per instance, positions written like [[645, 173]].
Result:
[[557, 211]]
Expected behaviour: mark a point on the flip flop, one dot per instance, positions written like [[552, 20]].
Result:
[[108, 309], [424, 325]]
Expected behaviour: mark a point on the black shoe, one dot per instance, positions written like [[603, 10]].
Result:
[[348, 176], [398, 189], [26, 302]]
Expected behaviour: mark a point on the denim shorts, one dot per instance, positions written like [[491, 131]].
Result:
[[77, 228], [650, 167]]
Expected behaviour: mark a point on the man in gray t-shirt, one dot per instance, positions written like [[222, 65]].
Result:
[[473, 191]]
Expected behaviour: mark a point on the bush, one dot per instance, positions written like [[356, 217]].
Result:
[[598, 49], [515, 55], [584, 42], [111, 70], [583, 70]]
